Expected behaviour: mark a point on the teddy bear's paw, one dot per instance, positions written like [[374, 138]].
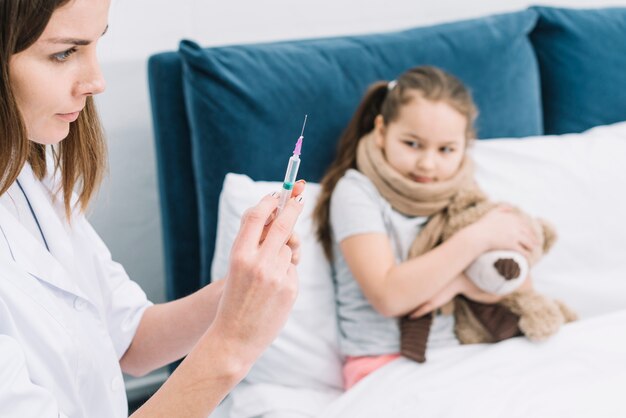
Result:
[[540, 322], [568, 314], [539, 331]]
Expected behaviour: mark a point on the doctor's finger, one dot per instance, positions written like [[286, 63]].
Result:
[[253, 222], [281, 229], [282, 261], [298, 188], [294, 243]]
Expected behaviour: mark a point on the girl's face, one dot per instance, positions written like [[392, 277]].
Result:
[[52, 78], [426, 143]]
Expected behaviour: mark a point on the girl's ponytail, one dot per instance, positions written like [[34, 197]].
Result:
[[361, 123]]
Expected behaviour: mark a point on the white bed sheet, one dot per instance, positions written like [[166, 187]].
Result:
[[269, 400], [581, 372]]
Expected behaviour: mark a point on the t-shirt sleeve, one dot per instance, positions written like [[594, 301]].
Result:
[[355, 207]]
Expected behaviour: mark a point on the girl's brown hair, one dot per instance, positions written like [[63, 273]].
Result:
[[81, 156], [386, 99]]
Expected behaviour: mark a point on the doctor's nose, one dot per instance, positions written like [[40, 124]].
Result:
[[92, 81]]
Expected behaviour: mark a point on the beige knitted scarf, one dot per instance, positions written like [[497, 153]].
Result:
[[417, 199]]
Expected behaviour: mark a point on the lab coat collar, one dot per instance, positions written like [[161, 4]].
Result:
[[56, 267]]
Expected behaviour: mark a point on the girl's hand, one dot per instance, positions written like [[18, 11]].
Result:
[[461, 285], [473, 292], [261, 284], [526, 285], [444, 296], [504, 229]]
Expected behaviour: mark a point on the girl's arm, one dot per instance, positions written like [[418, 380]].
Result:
[[396, 289], [463, 285]]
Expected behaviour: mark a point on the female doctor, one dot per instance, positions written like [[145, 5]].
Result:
[[70, 319]]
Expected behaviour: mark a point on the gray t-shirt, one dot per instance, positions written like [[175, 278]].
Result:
[[356, 207]]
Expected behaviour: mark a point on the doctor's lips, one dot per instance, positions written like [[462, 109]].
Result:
[[69, 117]]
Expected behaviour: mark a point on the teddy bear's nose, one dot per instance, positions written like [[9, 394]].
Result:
[[508, 268]]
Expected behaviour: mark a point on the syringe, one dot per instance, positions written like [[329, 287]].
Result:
[[292, 171]]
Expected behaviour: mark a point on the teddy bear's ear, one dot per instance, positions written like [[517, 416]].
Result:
[[549, 234]]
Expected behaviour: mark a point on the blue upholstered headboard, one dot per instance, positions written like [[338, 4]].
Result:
[[239, 108]]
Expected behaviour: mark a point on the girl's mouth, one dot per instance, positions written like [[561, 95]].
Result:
[[421, 179]]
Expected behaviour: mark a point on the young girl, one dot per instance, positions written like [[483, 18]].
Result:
[[401, 159]]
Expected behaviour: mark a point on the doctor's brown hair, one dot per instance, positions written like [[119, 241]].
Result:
[[384, 99], [81, 156]]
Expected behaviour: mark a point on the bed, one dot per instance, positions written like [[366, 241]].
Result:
[[551, 89]]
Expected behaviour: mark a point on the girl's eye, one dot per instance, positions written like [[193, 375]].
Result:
[[412, 144], [63, 56], [447, 150]]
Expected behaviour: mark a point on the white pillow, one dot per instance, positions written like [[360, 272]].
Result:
[[577, 182], [306, 353]]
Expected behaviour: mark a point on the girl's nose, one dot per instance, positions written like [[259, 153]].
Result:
[[426, 161]]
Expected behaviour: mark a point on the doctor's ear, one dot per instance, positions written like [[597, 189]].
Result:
[[379, 131]]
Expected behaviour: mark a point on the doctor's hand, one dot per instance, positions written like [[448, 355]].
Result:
[[261, 284], [294, 240], [258, 293]]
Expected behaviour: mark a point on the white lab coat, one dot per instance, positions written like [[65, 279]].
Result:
[[66, 316]]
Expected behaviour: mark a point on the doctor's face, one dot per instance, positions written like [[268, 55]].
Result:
[[52, 78]]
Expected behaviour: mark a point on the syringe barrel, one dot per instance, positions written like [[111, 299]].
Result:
[[292, 172]]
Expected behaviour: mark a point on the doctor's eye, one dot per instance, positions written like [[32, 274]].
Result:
[[63, 56]]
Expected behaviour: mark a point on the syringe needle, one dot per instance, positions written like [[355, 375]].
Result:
[[303, 125]]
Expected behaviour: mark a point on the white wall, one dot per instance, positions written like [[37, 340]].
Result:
[[127, 212]]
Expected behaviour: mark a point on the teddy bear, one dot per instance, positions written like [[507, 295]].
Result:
[[520, 312]]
